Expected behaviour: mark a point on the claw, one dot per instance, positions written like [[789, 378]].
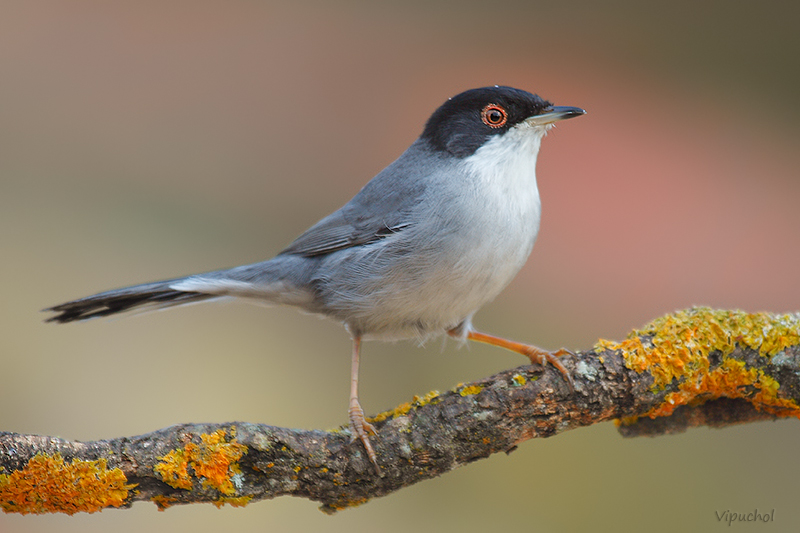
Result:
[[542, 357], [360, 428]]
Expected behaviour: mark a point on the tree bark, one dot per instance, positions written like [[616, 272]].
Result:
[[693, 368]]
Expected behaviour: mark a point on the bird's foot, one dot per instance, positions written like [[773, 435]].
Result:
[[541, 357], [536, 355], [360, 429]]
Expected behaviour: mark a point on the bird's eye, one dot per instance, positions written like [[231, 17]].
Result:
[[494, 116]]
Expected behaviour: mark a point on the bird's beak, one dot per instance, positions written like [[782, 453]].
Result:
[[554, 114]]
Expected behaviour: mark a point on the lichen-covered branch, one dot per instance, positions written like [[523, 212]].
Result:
[[694, 367]]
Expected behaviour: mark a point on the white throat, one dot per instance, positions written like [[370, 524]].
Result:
[[509, 160], [504, 169]]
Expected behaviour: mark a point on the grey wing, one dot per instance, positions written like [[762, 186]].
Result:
[[381, 208], [337, 232]]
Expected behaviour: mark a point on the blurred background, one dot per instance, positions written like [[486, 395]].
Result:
[[145, 140]]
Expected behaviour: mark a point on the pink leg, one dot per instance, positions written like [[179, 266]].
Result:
[[359, 427]]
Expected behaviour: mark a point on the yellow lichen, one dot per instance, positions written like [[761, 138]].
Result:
[[677, 347], [331, 508], [403, 409], [470, 390], [240, 501], [174, 469], [214, 461], [519, 380], [626, 421], [163, 502], [48, 485]]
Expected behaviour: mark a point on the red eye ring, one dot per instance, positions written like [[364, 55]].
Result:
[[494, 116]]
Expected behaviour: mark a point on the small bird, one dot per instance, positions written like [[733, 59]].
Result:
[[429, 240]]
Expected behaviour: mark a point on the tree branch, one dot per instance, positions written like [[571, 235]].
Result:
[[691, 368]]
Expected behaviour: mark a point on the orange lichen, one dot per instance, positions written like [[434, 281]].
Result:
[[403, 409], [48, 485], [732, 379], [217, 460], [214, 461], [676, 347]]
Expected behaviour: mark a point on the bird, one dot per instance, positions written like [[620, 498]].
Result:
[[428, 241]]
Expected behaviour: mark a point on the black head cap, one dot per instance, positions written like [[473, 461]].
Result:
[[464, 123]]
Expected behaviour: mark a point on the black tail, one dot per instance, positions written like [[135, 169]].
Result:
[[156, 295]]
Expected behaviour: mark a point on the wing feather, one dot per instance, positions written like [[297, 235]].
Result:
[[383, 207]]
